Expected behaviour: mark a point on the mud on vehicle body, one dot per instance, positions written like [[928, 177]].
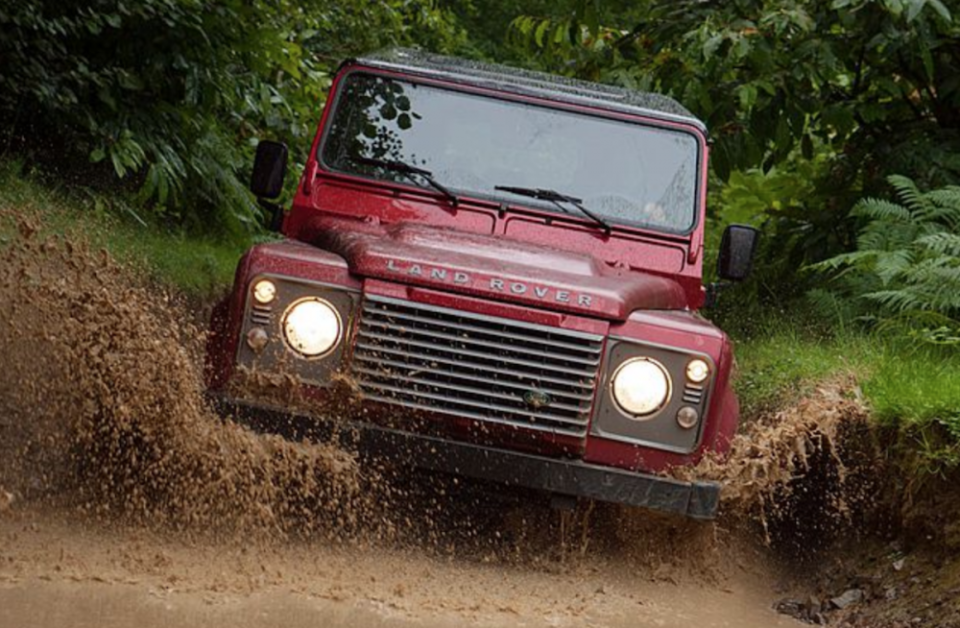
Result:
[[507, 267]]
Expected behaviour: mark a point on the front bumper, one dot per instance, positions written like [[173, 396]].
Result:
[[698, 500]]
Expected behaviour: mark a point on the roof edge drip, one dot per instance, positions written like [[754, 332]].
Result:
[[529, 83]]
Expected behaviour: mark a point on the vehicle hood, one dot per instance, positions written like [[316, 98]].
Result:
[[494, 268]]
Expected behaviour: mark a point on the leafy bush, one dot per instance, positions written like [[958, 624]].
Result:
[[768, 76], [171, 95], [905, 273]]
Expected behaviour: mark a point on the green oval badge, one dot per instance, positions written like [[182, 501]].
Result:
[[536, 399]]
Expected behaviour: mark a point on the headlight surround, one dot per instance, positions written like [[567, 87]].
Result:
[[641, 387], [312, 327]]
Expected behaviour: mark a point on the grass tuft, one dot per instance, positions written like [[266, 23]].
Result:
[[198, 265]]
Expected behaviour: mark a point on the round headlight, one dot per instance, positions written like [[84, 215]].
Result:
[[641, 386], [311, 327], [697, 370], [264, 291]]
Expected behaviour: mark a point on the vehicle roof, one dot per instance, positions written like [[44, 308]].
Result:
[[528, 82]]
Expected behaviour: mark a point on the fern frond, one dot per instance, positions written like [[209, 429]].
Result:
[[837, 262], [891, 264], [946, 203], [897, 300], [832, 305], [906, 268], [947, 266], [946, 197], [941, 243], [913, 320], [910, 194], [879, 209], [887, 236]]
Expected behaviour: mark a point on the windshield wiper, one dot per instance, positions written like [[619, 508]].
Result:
[[410, 172], [556, 198]]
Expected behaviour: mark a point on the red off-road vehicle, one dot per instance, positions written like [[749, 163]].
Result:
[[507, 267]]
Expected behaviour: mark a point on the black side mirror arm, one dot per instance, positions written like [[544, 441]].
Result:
[[713, 291], [275, 212]]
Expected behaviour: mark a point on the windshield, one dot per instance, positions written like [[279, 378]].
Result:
[[625, 172]]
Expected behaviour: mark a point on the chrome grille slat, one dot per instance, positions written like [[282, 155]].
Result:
[[581, 397], [367, 347], [465, 327], [485, 368], [440, 385], [406, 392], [417, 344], [478, 343]]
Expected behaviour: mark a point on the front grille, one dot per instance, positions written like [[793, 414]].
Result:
[[480, 367]]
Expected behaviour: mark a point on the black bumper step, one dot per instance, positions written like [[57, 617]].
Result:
[[696, 499]]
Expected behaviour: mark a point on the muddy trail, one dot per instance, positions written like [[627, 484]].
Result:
[[125, 499]]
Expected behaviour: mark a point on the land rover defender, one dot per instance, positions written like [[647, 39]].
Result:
[[506, 266]]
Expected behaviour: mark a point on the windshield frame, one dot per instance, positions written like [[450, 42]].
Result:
[[506, 201]]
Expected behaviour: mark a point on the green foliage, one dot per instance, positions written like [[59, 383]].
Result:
[[172, 95], [904, 275], [868, 78], [810, 104], [778, 199], [798, 221]]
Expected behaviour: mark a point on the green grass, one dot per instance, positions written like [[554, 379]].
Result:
[[909, 388], [777, 367], [196, 265], [917, 388]]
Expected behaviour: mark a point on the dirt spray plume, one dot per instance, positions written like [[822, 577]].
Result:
[[103, 407], [807, 465]]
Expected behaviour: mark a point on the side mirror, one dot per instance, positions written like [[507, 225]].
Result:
[[737, 249], [269, 169]]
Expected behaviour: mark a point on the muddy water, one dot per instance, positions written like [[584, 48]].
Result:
[[124, 500], [55, 573]]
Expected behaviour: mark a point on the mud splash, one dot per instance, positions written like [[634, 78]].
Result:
[[803, 471], [103, 412], [103, 409]]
